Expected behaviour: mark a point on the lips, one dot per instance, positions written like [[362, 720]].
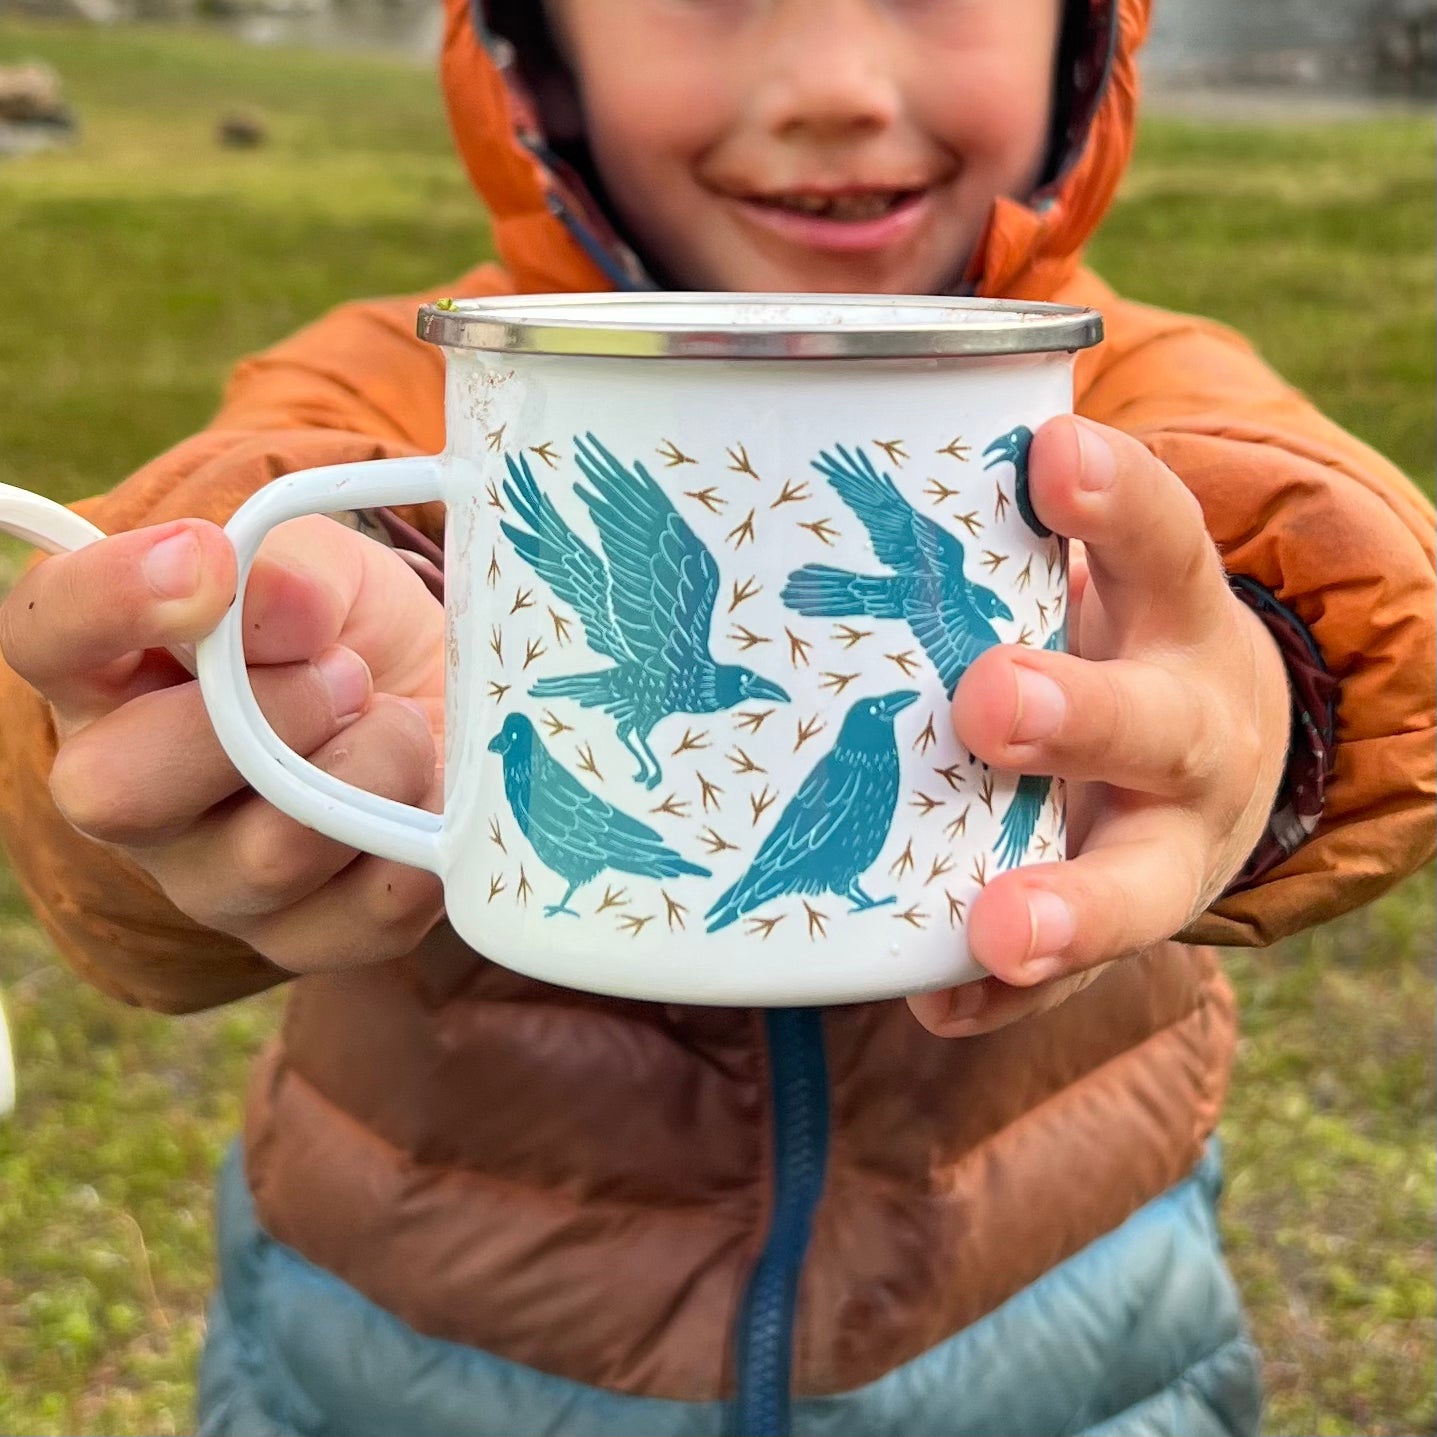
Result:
[[853, 220]]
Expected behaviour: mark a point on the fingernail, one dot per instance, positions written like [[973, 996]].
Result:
[[172, 567], [1052, 925], [967, 1001], [1097, 467], [1042, 707], [346, 676]]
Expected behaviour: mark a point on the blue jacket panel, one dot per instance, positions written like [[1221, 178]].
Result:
[[1139, 1334]]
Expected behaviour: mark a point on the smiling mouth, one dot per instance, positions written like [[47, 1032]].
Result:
[[847, 207]]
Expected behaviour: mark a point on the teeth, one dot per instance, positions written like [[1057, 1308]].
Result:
[[862, 207], [850, 208]]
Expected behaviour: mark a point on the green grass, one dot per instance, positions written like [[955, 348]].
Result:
[[138, 266], [1315, 241]]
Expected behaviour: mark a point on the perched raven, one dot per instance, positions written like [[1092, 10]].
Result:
[[576, 833], [1020, 818], [1012, 448], [947, 613], [835, 826], [649, 609]]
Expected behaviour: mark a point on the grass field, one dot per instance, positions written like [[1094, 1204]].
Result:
[[140, 264]]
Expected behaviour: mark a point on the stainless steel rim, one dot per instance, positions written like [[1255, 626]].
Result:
[[757, 326]]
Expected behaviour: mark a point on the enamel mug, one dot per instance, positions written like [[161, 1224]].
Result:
[[714, 565]]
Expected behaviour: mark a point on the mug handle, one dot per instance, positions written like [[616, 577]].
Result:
[[43, 523], [339, 810], [54, 529]]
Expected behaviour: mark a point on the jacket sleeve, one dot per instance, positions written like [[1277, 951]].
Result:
[[358, 384], [1341, 540]]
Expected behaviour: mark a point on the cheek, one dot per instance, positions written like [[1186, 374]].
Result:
[[996, 121], [647, 140], [1000, 131], [652, 93], [669, 119]]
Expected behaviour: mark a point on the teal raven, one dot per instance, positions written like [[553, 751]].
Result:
[[649, 609], [1020, 818], [835, 826], [575, 833], [1012, 448], [947, 613]]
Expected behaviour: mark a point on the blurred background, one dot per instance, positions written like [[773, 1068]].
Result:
[[184, 181]]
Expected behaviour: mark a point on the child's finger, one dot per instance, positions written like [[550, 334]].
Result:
[[301, 589], [153, 766], [1138, 881], [989, 1004], [1123, 722], [1148, 550], [383, 908], [75, 624], [318, 583], [270, 860]]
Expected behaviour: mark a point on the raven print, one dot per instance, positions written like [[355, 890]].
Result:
[[647, 605], [574, 832], [835, 826], [949, 614]]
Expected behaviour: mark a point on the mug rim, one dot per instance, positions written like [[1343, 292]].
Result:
[[654, 324]]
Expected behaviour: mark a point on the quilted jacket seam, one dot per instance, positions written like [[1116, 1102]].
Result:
[[703, 1209], [1183, 1381], [1199, 1008], [249, 1358]]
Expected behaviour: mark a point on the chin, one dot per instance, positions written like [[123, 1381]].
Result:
[[868, 283], [819, 279], [907, 274]]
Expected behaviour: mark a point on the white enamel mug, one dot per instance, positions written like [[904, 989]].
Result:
[[714, 565]]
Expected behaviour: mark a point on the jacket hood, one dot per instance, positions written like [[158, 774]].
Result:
[[510, 107]]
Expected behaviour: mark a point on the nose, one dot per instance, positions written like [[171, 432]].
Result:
[[828, 68]]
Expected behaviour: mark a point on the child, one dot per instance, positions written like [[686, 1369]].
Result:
[[470, 1203]]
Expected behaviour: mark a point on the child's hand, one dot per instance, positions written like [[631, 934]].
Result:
[[1169, 720], [346, 652]]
